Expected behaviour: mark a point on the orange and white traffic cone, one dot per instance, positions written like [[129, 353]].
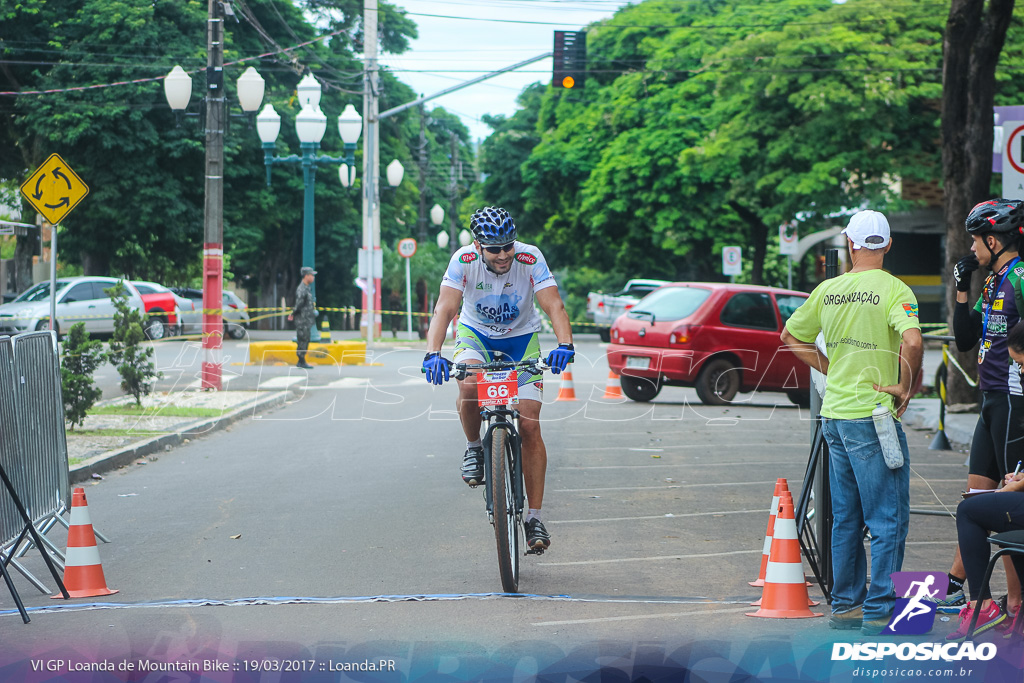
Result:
[[785, 495], [613, 389], [566, 390], [766, 550], [83, 573], [785, 591]]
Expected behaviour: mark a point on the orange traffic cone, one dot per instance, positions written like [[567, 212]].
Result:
[[785, 592], [613, 389], [566, 391], [766, 550], [83, 574], [784, 496]]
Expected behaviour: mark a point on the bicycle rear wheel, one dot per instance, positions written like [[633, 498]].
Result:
[[506, 529]]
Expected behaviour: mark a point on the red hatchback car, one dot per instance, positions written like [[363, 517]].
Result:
[[720, 339]]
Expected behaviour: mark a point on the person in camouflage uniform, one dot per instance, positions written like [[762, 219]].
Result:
[[304, 314]]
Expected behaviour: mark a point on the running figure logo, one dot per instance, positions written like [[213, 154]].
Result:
[[914, 613]]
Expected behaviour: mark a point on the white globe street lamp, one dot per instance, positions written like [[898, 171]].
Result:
[[350, 125], [442, 239], [437, 215], [395, 173], [251, 87], [178, 89], [347, 175], [268, 125], [465, 237], [311, 125], [309, 90]]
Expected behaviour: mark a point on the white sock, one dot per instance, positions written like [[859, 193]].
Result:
[[474, 444], [533, 513]]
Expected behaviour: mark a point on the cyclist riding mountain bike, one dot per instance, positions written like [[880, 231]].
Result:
[[491, 284], [996, 227]]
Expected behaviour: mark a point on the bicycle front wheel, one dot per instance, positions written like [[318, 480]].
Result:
[[506, 529]]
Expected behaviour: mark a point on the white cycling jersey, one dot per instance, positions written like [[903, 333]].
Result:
[[499, 305]]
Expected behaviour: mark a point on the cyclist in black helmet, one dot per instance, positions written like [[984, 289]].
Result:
[[492, 284], [997, 227]]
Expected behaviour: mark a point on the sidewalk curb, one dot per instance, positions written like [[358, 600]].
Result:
[[112, 460]]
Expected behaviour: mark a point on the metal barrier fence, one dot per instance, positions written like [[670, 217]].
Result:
[[33, 448], [11, 523]]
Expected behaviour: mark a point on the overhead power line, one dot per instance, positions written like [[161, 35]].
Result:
[[158, 78], [693, 27]]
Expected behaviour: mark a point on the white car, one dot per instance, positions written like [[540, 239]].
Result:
[[79, 299]]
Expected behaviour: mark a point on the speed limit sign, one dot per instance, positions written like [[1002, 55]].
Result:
[[788, 239], [1013, 159], [731, 261], [407, 247]]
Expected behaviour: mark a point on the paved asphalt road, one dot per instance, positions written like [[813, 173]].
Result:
[[348, 499]]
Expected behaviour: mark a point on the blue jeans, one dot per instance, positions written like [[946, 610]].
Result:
[[865, 492]]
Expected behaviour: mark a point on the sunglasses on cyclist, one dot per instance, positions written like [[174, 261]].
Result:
[[497, 250]]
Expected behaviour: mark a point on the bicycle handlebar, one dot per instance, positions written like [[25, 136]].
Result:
[[460, 370]]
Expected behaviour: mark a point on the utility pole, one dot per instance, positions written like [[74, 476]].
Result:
[[421, 220], [371, 171], [453, 193], [213, 231]]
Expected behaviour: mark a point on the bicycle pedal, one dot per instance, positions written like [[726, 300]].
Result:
[[534, 551]]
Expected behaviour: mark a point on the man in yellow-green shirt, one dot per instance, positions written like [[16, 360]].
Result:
[[864, 315]]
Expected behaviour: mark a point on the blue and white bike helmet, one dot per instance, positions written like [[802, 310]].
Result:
[[493, 225]]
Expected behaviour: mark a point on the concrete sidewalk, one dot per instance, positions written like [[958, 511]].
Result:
[[156, 431], [923, 414]]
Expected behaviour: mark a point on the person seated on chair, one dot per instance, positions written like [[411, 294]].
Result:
[[999, 511]]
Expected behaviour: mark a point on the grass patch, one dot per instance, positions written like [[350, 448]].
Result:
[[115, 432], [164, 411]]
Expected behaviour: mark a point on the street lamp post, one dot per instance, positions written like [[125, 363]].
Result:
[[178, 91], [310, 126]]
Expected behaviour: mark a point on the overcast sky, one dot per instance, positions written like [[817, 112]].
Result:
[[471, 38]]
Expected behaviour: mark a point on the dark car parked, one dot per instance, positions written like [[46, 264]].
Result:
[[721, 339]]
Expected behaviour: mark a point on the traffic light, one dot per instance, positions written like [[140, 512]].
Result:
[[570, 59]]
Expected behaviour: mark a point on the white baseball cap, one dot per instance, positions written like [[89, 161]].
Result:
[[868, 229]]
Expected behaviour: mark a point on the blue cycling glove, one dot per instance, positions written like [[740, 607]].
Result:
[[437, 368], [560, 358]]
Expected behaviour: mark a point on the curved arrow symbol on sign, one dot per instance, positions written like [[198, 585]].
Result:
[[58, 174], [64, 201]]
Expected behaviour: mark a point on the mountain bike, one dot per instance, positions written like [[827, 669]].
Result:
[[504, 492]]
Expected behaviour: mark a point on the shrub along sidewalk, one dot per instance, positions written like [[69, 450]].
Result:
[[117, 432]]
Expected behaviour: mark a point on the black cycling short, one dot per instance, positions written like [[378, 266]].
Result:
[[999, 437]]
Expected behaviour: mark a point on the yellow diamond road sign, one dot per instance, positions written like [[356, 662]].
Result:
[[54, 189]]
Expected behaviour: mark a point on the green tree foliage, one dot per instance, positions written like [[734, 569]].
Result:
[[81, 358], [144, 215], [134, 362], [707, 124]]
